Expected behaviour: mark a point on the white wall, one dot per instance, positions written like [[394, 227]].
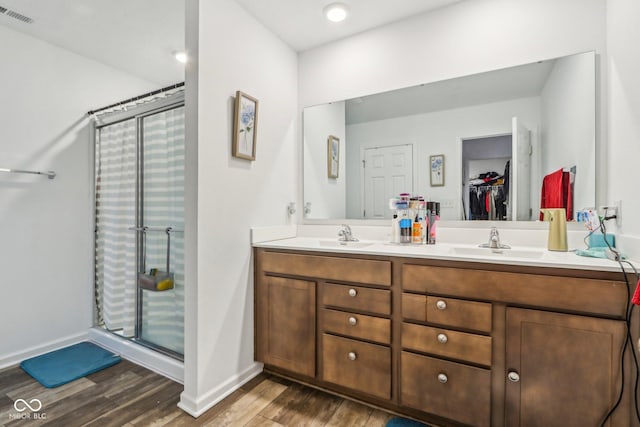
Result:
[[440, 132], [624, 115], [466, 38], [566, 138], [46, 226], [326, 195], [234, 52]]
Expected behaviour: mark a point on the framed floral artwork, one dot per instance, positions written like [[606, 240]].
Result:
[[333, 156], [437, 170], [245, 126]]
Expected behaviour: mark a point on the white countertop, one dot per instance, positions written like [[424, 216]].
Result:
[[517, 255]]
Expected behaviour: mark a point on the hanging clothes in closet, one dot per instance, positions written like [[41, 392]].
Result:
[[488, 197], [487, 202], [557, 192]]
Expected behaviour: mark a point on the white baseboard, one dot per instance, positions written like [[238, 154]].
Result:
[[198, 406], [17, 357], [140, 355]]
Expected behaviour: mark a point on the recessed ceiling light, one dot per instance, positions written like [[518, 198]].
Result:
[[336, 12], [180, 56]]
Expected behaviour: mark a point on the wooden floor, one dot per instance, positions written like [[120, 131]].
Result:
[[129, 395]]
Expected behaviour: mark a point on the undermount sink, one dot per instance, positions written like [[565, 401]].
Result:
[[500, 253], [343, 244]]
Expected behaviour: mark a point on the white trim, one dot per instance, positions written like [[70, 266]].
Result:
[[515, 225], [152, 360], [17, 357], [198, 406]]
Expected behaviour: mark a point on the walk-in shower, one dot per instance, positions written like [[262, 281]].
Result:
[[139, 223]]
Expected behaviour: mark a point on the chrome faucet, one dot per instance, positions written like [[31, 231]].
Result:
[[494, 240], [345, 234]]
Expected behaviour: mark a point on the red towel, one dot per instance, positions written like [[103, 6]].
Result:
[[557, 192], [636, 295]]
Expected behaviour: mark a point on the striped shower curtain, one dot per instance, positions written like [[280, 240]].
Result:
[[162, 206], [115, 191]]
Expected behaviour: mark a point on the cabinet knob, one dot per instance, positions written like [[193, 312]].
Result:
[[441, 305], [513, 376], [353, 292], [352, 356], [353, 321], [442, 338], [442, 378]]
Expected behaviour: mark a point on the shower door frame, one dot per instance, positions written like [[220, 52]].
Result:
[[139, 113]]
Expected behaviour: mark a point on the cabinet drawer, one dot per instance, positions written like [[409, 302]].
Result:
[[450, 390], [357, 325], [376, 301], [447, 311], [443, 342], [602, 297], [332, 268], [363, 367]]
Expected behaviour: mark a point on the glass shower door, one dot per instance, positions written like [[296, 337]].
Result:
[[139, 208], [161, 210]]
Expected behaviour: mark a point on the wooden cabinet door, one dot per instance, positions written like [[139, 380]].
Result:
[[286, 324], [562, 370]]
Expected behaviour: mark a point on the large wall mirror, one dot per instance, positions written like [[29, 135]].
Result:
[[498, 134]]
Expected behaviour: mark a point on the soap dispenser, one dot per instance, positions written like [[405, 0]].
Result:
[[557, 219]]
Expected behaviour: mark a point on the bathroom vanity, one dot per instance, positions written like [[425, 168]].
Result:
[[446, 339]]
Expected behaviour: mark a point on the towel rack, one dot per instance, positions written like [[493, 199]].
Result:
[[50, 174], [164, 230]]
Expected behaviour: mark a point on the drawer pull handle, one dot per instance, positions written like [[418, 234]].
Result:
[[513, 376], [442, 378], [442, 338], [353, 321], [353, 292], [441, 305], [352, 356]]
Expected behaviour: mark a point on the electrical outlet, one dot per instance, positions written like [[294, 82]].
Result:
[[618, 205], [613, 210], [447, 203]]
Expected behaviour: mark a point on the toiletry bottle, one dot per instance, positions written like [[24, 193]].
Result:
[[434, 215], [416, 236], [395, 229], [405, 230]]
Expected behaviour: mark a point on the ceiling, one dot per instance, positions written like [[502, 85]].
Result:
[[139, 36], [302, 25], [135, 36], [484, 88]]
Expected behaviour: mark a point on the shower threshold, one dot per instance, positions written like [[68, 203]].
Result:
[[159, 349]]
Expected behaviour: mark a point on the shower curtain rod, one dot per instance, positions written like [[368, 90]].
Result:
[[49, 174], [136, 98]]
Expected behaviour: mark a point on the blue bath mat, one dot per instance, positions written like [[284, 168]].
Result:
[[67, 364], [403, 422]]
